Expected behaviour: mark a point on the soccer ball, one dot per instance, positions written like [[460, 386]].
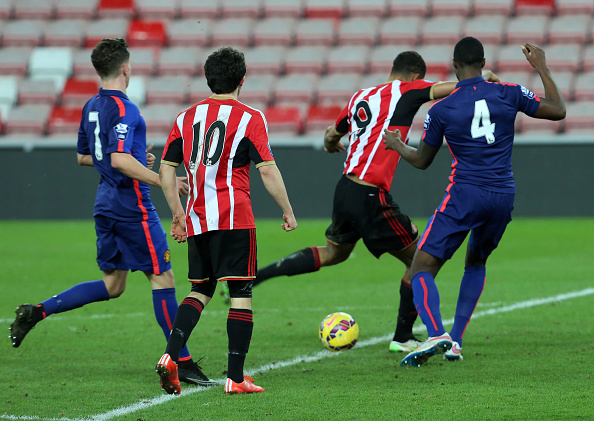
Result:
[[339, 331]]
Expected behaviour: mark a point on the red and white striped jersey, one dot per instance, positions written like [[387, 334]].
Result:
[[216, 140], [369, 112]]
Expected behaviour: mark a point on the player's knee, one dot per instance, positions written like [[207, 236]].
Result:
[[115, 290]]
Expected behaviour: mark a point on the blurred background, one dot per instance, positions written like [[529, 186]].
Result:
[[305, 59]]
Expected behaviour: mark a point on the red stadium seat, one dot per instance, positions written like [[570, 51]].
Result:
[[116, 9], [274, 31], [157, 9], [192, 9], [535, 7], [570, 29], [241, 8], [362, 8], [76, 9], [494, 7], [77, 92], [65, 120], [319, 117], [324, 9], [283, 8], [189, 32], [442, 30], [284, 119], [29, 119], [451, 7], [400, 30], [338, 88], [146, 33], [359, 31], [419, 8], [348, 58]]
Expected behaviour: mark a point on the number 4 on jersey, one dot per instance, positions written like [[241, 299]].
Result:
[[481, 122]]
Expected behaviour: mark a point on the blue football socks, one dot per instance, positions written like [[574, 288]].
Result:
[[426, 298], [165, 305], [77, 296], [471, 289]]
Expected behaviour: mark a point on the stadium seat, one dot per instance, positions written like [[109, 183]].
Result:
[[192, 9], [258, 88], [584, 87], [360, 31], [306, 59], [160, 118], [570, 29], [33, 9], [574, 7], [136, 90], [338, 88], [9, 90], [167, 90], [511, 58], [64, 120], [438, 59], [51, 61], [319, 117], [362, 8], [588, 58], [296, 88], [283, 8], [494, 7], [241, 8], [534, 7], [30, 119], [400, 30], [562, 57], [381, 58], [534, 30], [82, 66], [442, 30], [265, 59], [487, 29], [274, 31], [519, 78], [373, 79], [78, 91], [181, 61], [284, 120], [23, 33], [76, 9], [526, 124], [199, 90], [146, 33], [6, 9], [189, 32], [348, 58], [157, 9], [451, 7], [565, 80], [116, 9], [419, 8], [65, 33], [579, 117], [315, 32], [14, 60], [105, 28], [237, 32], [324, 9], [143, 61]]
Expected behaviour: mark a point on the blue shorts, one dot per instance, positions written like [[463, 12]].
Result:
[[132, 245], [467, 208]]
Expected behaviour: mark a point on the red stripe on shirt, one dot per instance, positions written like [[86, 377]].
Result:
[[122, 109], [187, 133]]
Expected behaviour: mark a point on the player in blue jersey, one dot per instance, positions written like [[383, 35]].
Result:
[[112, 138], [477, 121]]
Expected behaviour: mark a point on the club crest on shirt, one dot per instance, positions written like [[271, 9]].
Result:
[[121, 130], [167, 256], [527, 92], [427, 121]]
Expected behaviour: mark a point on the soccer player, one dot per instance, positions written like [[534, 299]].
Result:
[[216, 140], [363, 206], [112, 138], [477, 120]]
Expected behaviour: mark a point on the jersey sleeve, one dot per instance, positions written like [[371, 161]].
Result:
[[120, 130], [342, 122], [82, 145], [259, 150], [528, 101], [414, 94], [173, 154], [432, 129]]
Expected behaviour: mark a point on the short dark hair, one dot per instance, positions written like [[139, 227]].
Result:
[[109, 55], [409, 62], [224, 70], [469, 51]]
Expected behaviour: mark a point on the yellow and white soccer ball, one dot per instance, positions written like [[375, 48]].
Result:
[[339, 331]]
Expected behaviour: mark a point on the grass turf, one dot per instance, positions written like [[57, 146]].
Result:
[[530, 364]]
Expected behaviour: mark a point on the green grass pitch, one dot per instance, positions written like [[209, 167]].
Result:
[[97, 362]]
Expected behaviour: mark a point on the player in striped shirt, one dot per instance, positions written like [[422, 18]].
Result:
[[363, 207], [477, 121], [216, 140], [112, 139]]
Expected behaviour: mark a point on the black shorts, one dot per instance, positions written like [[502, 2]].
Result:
[[224, 255], [369, 213]]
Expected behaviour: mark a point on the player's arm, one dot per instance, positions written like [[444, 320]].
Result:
[[332, 141], [420, 157], [274, 184], [85, 160], [169, 185], [552, 106], [130, 166]]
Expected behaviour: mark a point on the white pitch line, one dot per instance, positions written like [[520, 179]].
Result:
[[147, 403]]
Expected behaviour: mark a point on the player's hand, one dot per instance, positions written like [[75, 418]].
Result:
[[535, 56], [490, 76], [182, 186], [331, 145], [392, 140], [290, 222], [150, 158], [178, 228]]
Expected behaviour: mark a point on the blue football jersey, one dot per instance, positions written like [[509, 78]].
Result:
[[477, 120], [112, 123]]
